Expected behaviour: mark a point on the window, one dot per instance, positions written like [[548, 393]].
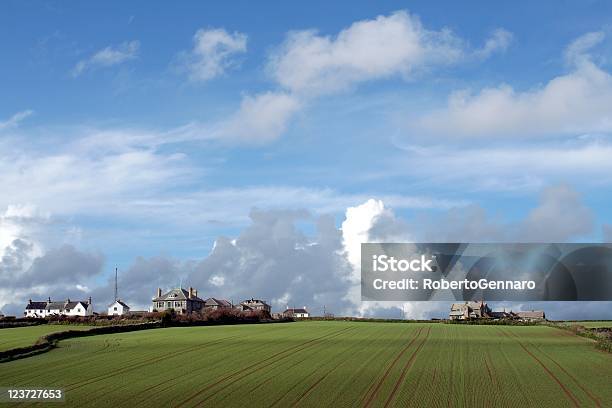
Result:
[[115, 308]]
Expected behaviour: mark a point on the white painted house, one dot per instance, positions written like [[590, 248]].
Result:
[[118, 308], [61, 308], [291, 312]]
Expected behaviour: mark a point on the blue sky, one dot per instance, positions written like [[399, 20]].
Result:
[[139, 134]]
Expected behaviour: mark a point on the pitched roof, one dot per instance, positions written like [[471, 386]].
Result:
[[301, 310], [534, 314], [218, 302], [176, 294], [253, 302], [36, 305], [55, 305], [120, 302]]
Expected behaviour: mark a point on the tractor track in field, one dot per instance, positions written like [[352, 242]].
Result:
[[407, 366], [158, 388], [552, 375], [316, 383], [593, 398], [256, 386], [375, 387], [142, 363], [171, 384], [257, 366], [490, 368]]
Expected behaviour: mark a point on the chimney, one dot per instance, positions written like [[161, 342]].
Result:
[[190, 292], [30, 301], [159, 292], [49, 299]]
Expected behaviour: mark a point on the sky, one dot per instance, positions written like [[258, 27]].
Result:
[[248, 149]]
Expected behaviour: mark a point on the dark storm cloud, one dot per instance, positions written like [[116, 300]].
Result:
[[272, 259]]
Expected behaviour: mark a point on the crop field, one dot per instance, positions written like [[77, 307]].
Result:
[[26, 336], [591, 324], [324, 364]]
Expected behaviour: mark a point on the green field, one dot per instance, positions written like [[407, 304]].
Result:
[[324, 364], [26, 336], [591, 324]]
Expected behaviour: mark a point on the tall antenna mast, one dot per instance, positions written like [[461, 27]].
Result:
[[115, 284]]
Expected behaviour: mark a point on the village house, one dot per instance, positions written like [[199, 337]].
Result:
[[214, 304], [480, 310], [253, 304], [179, 300], [531, 316], [118, 308], [61, 308], [296, 313], [469, 310]]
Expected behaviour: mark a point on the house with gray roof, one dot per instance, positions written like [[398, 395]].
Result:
[[118, 308], [180, 300], [59, 308], [531, 316], [214, 304], [469, 310], [296, 312], [253, 304]]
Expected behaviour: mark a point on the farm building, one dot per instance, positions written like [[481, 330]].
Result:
[[61, 308], [480, 310], [469, 310], [297, 313], [118, 308], [531, 316], [253, 304], [214, 304], [179, 300]]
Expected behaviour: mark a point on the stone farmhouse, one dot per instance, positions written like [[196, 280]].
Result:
[[469, 310], [480, 310], [254, 305], [297, 313], [214, 304], [179, 300], [59, 308]]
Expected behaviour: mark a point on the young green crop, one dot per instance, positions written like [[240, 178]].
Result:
[[324, 364]]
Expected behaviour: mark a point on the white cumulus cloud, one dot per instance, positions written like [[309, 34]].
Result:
[[573, 103], [213, 52]]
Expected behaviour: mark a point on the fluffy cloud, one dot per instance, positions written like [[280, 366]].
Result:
[[213, 52], [397, 44], [574, 103], [308, 65], [107, 57], [261, 118], [560, 216], [499, 41], [274, 260], [29, 270]]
